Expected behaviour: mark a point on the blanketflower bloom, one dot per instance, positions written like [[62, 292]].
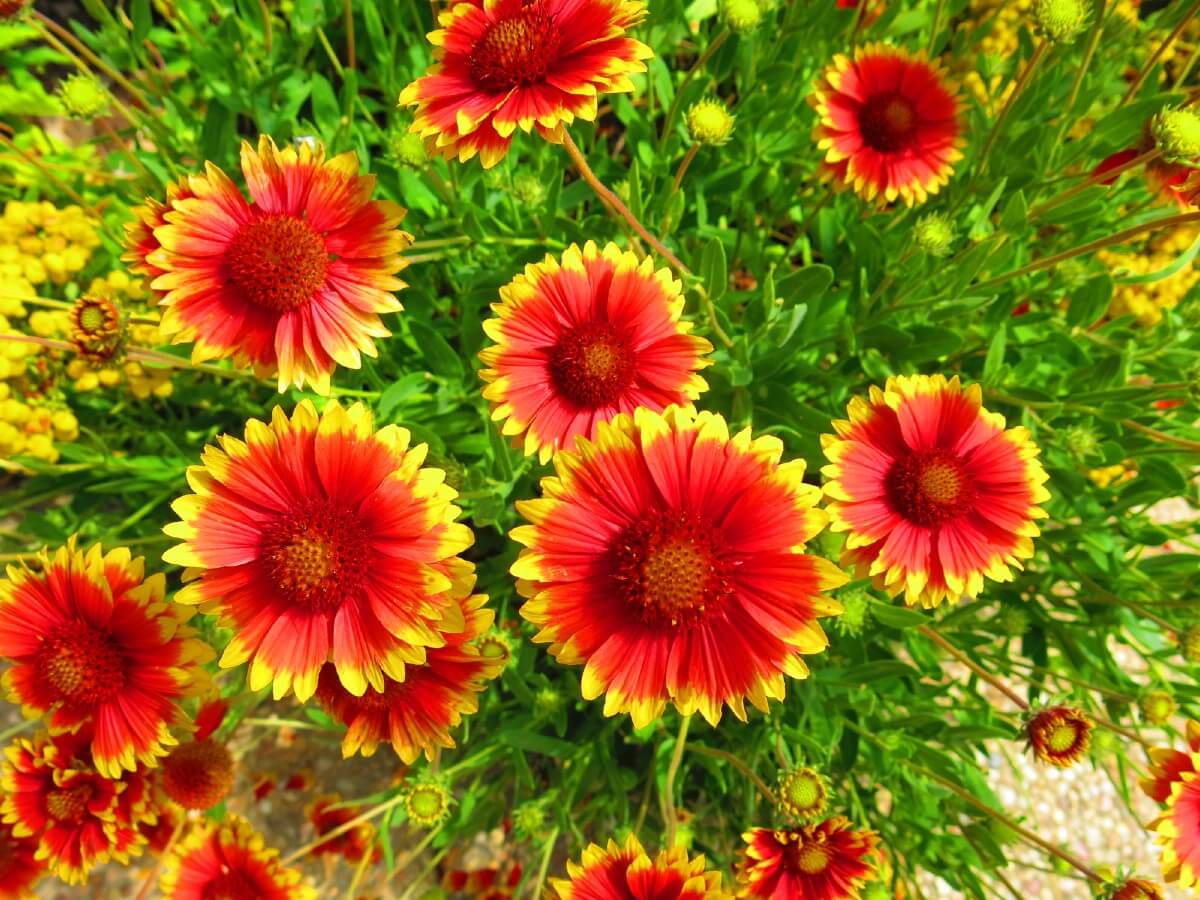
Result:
[[320, 539], [669, 542], [1168, 765], [824, 861], [229, 859], [94, 642], [20, 868], [628, 872], [888, 124], [416, 715], [935, 493], [1165, 180], [1178, 832], [54, 795], [1059, 735], [501, 65], [292, 282], [140, 242], [581, 340], [1138, 889]]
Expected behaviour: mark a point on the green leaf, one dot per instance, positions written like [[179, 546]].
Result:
[[1090, 301], [994, 362], [897, 616], [442, 358], [714, 271]]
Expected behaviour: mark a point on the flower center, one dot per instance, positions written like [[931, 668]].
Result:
[[277, 262], [231, 884], [888, 123], [70, 804], [1062, 737], [669, 564], [318, 556], [198, 775], [803, 791], [930, 488], [515, 51], [81, 663], [591, 365], [812, 859], [91, 319]]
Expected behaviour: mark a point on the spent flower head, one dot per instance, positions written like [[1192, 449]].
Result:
[[1157, 707], [427, 802]]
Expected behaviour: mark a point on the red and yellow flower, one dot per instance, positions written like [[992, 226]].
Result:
[[20, 868], [140, 242], [670, 542], [1168, 765], [229, 859], [582, 339], [328, 813], [889, 124], [321, 539], [1178, 832], [500, 65], [628, 872], [1137, 889], [416, 714], [54, 795], [934, 492], [1059, 735], [825, 861], [293, 281], [93, 642]]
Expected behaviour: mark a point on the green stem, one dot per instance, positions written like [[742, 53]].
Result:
[[1085, 63], [669, 122], [544, 865], [1157, 55], [670, 817], [738, 764], [1023, 79]]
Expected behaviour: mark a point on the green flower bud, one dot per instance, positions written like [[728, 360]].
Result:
[[856, 610], [1157, 707], [1189, 643], [84, 96], [1177, 134], [802, 794], [547, 701], [529, 820], [934, 234], [709, 122], [1080, 441], [742, 16], [427, 803], [1104, 743], [408, 149], [1062, 20], [1012, 621], [529, 190]]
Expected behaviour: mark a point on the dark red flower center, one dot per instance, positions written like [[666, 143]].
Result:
[[69, 805], [591, 365], [198, 774], [888, 123], [81, 663], [930, 488], [232, 884], [318, 555], [805, 856], [515, 51], [277, 262], [669, 565]]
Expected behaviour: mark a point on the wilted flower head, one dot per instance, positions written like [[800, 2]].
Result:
[[427, 803], [1157, 707], [1059, 735]]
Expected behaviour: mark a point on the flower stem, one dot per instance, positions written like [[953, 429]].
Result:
[[670, 817], [673, 110], [1157, 55], [991, 679], [152, 876], [50, 176], [1161, 436], [618, 205], [738, 764], [683, 167], [544, 866], [376, 810], [1118, 238], [351, 52], [1092, 180], [1023, 79]]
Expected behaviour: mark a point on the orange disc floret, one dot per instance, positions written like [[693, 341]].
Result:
[[630, 873], [20, 868], [93, 641], [1137, 889], [416, 715], [669, 541], [229, 859], [291, 282], [79, 819], [319, 539], [828, 860], [582, 338], [326, 814], [510, 64], [934, 492], [1059, 735], [198, 774], [888, 124]]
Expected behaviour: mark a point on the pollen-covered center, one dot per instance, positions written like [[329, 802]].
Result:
[[803, 791], [277, 262], [69, 805], [515, 51], [888, 123], [811, 859], [1062, 737], [81, 663], [94, 317], [669, 565], [198, 774], [232, 884], [592, 365], [930, 488], [317, 556]]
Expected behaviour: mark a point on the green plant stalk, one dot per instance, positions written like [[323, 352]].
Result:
[[670, 818], [738, 764], [1039, 53], [1157, 55], [1089, 51], [1091, 181], [991, 679], [376, 810], [544, 866], [701, 61]]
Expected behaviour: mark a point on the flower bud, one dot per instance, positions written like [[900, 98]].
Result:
[[934, 234], [1062, 21], [1176, 134], [84, 96], [709, 122], [742, 16]]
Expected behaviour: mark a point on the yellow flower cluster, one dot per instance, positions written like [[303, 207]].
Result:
[[1147, 301], [29, 425], [41, 243], [1106, 476], [131, 295]]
